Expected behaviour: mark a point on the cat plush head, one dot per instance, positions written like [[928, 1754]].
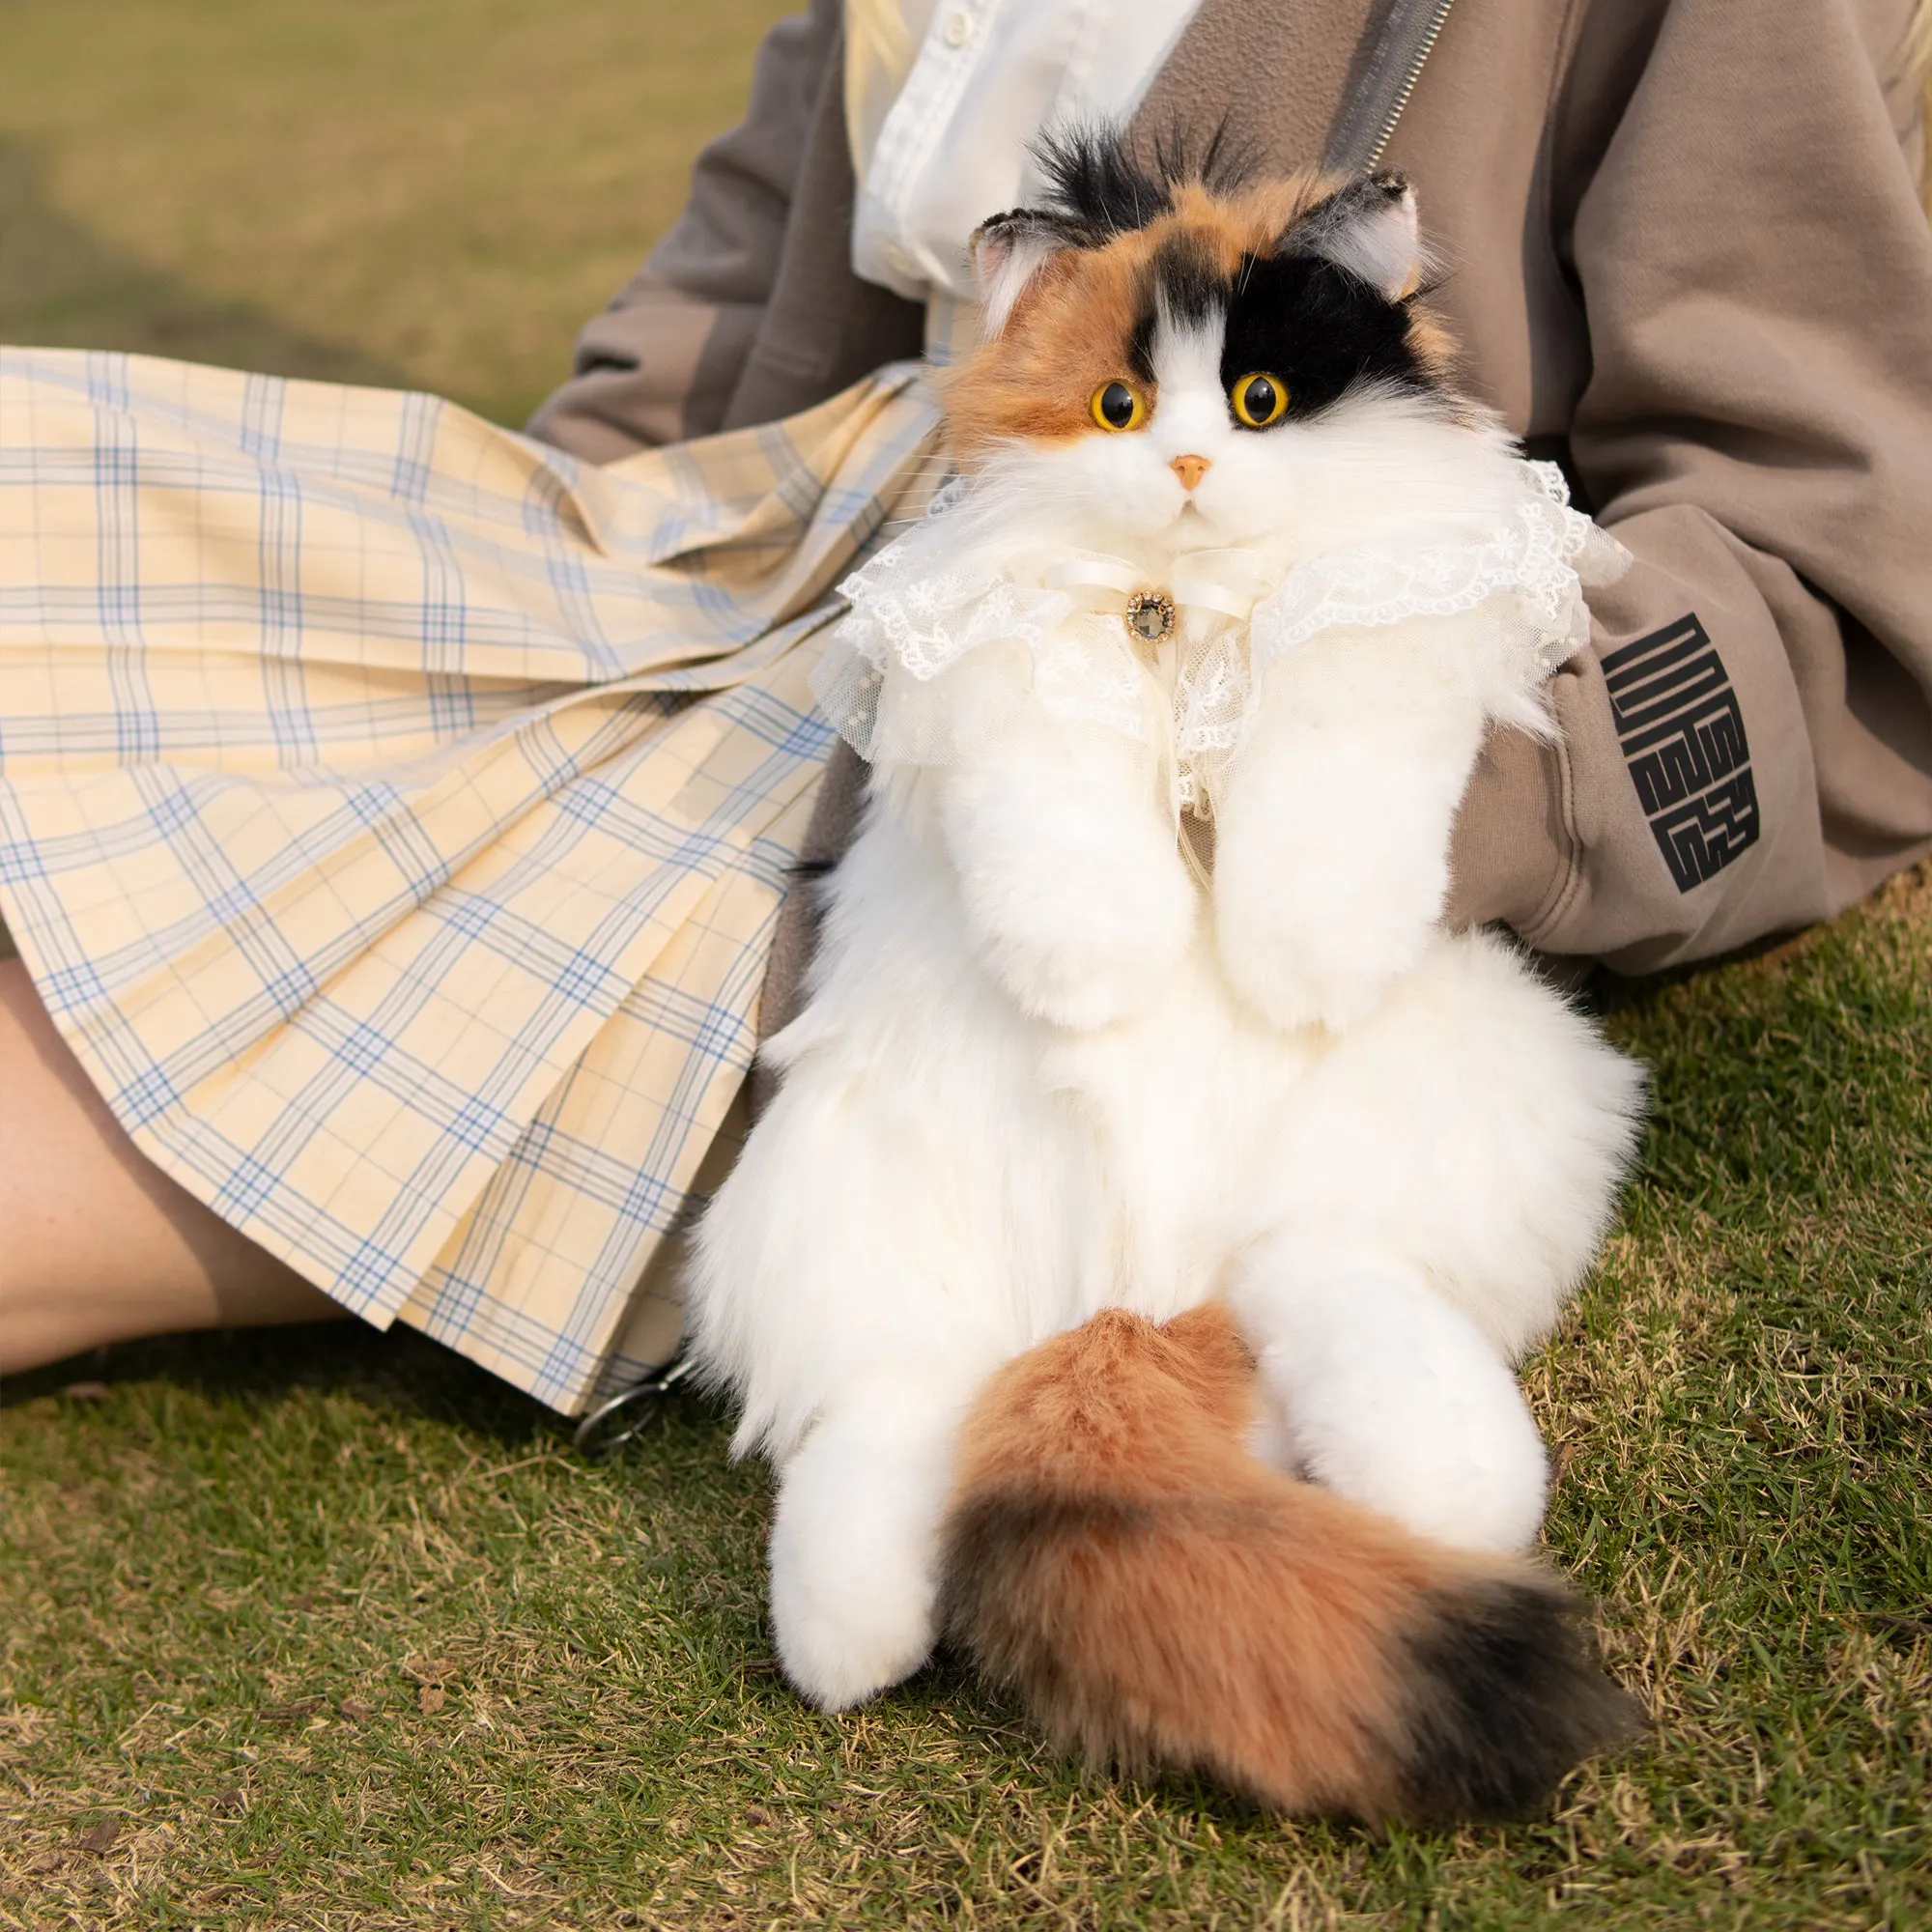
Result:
[[1194, 364]]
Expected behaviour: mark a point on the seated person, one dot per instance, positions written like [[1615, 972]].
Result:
[[395, 814]]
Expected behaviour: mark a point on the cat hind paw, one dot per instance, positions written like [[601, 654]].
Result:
[[837, 1653], [853, 1556]]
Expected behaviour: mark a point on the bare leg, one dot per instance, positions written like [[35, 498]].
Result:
[[97, 1244]]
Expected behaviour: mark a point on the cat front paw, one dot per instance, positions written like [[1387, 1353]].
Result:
[[1329, 879], [1075, 897], [1083, 953], [1332, 838], [1315, 964]]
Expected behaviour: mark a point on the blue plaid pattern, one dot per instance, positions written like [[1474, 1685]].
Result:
[[394, 814]]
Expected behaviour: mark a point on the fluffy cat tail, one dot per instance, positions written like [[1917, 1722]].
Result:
[[1158, 1596]]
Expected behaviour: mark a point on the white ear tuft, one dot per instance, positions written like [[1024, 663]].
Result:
[[1369, 229], [1009, 252]]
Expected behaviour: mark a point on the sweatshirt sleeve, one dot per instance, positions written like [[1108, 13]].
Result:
[[661, 363], [1747, 746]]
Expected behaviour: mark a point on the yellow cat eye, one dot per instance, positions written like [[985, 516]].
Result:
[[1259, 400], [1118, 406]]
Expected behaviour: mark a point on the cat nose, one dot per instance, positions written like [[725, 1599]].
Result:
[[1190, 469]]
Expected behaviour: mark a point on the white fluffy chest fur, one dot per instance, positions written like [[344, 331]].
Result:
[[952, 1169], [1084, 1168]]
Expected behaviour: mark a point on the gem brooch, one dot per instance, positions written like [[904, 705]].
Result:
[[1149, 616]]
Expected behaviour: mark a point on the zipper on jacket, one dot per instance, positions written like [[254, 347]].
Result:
[[1407, 39], [1431, 34]]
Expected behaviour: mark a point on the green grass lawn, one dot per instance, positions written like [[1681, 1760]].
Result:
[[426, 193], [326, 1629]]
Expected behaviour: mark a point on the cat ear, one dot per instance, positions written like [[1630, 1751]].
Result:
[[1008, 250], [1369, 227]]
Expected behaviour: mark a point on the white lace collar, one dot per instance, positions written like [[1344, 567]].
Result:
[[925, 608]]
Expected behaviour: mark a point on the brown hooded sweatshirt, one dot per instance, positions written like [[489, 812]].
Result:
[[1685, 256]]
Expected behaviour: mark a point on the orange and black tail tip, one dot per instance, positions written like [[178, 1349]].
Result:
[[1158, 1598]]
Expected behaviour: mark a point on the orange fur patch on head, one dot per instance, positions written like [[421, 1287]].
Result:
[[1070, 334], [1435, 346]]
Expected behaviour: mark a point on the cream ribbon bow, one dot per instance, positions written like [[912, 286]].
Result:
[[1229, 582]]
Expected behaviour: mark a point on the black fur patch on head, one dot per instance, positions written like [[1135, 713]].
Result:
[[1224, 163], [1097, 184], [1319, 329], [1184, 287], [1507, 1698], [1189, 280]]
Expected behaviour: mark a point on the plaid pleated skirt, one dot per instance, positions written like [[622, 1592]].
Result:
[[394, 814]]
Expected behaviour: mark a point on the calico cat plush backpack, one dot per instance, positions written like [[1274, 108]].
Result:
[[1126, 1275]]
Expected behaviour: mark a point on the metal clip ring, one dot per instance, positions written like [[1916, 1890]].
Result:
[[650, 1392]]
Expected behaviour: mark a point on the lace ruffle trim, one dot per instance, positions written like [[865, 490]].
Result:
[[920, 611]]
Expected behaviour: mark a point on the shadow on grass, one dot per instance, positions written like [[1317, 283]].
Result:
[[62, 287], [402, 1372]]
